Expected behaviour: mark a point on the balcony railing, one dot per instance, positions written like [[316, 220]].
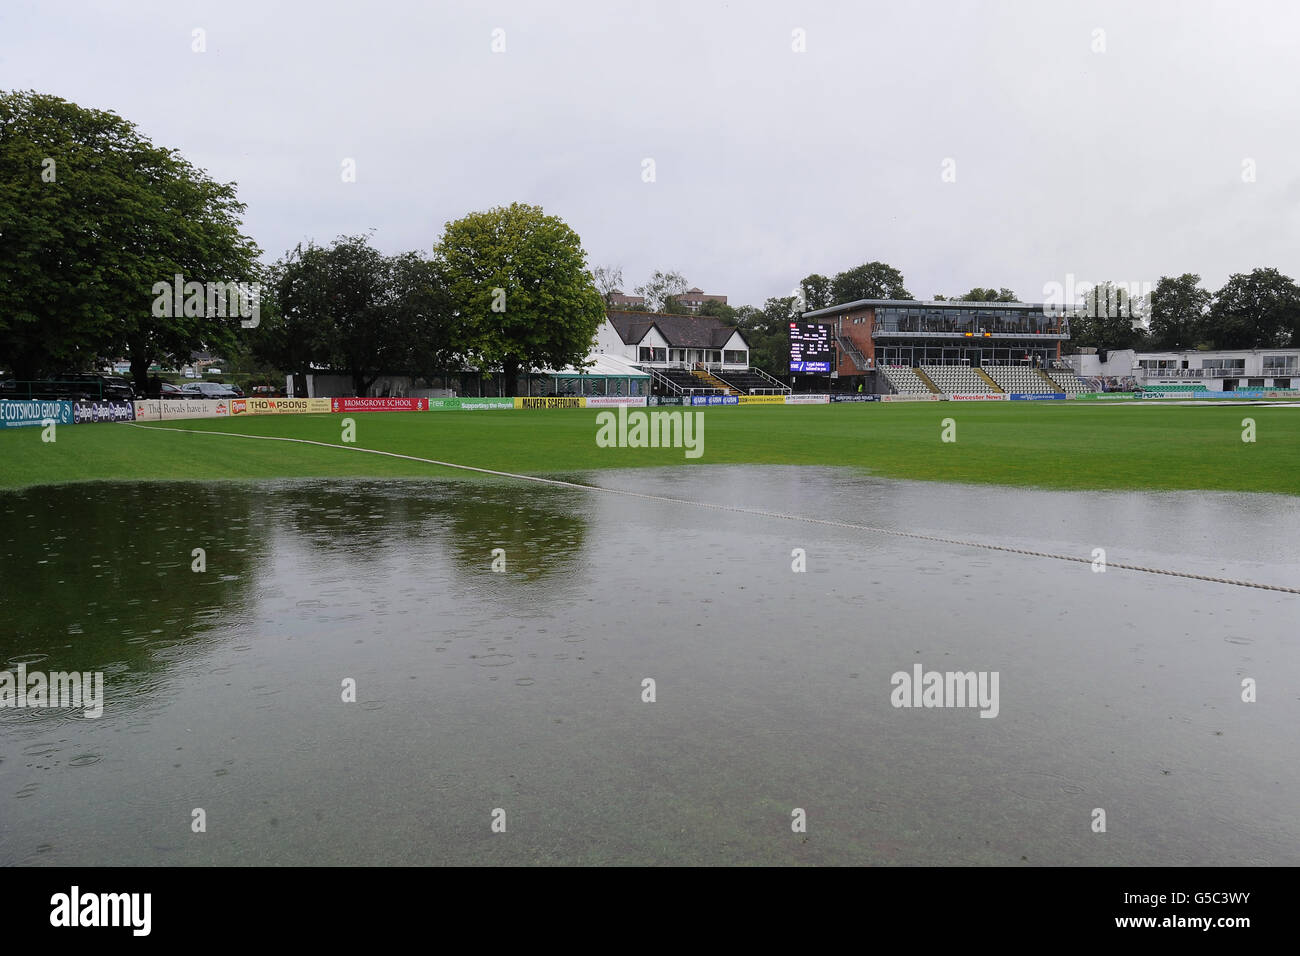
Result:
[[1203, 373], [1049, 335]]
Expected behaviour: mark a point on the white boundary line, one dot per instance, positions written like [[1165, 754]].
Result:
[[746, 511]]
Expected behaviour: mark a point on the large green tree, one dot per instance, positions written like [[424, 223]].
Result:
[[347, 307], [719, 310], [1260, 309], [1178, 307], [873, 280], [767, 330], [817, 292], [92, 217], [519, 289], [421, 309], [1109, 318]]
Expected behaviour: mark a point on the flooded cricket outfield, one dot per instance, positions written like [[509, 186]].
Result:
[[522, 690]]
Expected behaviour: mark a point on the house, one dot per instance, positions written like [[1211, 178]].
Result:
[[658, 340]]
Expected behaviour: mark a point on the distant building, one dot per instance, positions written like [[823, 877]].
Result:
[[617, 300], [694, 298], [888, 332], [906, 346], [691, 300], [1220, 371]]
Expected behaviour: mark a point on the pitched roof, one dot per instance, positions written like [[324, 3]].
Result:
[[679, 331]]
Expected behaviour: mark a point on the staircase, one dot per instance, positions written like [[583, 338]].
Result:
[[929, 383], [710, 380], [1054, 386], [676, 381], [852, 351], [985, 375]]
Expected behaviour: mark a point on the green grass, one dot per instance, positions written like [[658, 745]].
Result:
[[1051, 445]]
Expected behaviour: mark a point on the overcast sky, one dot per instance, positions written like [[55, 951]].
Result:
[[1116, 155]]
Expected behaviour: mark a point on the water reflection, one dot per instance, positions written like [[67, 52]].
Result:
[[100, 578], [523, 689], [541, 535]]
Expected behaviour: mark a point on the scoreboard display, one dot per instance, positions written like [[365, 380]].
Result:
[[810, 347]]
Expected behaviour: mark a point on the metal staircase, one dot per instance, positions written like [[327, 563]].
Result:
[[862, 363]]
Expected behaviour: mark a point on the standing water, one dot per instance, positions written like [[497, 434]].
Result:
[[340, 675]]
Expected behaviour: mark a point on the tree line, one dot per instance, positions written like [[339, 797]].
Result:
[[1251, 310], [95, 220]]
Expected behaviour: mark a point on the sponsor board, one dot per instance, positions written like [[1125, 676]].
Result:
[[103, 412], [1103, 396], [279, 406], [554, 402], [1199, 396], [807, 399], [155, 409], [468, 404], [665, 400], [855, 398], [1036, 397], [612, 401], [378, 405], [715, 399], [977, 397], [911, 398], [17, 414], [760, 399]]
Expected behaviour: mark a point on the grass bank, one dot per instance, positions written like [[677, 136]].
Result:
[[1050, 445]]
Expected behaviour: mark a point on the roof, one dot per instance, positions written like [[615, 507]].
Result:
[[910, 303], [679, 331], [604, 366]]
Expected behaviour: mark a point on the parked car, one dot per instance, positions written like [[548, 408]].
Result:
[[122, 384], [207, 390], [168, 390], [239, 392]]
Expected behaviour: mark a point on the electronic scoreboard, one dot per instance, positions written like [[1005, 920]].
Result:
[[810, 347]]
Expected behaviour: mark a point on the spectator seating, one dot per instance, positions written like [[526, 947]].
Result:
[[1020, 379], [905, 380], [747, 381], [953, 379], [1070, 383], [686, 380]]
